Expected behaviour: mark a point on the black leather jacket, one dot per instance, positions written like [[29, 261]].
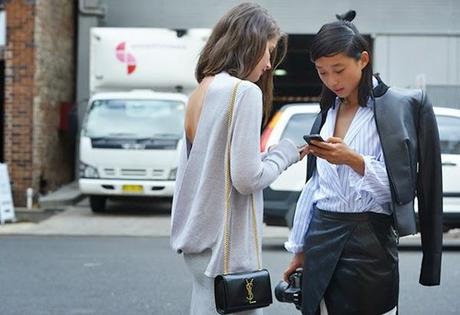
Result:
[[410, 141]]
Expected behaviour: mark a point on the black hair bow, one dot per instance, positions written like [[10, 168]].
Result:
[[347, 16]]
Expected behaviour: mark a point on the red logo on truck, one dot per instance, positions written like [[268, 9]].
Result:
[[124, 56]]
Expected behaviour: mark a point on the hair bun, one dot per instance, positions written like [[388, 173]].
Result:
[[347, 16]]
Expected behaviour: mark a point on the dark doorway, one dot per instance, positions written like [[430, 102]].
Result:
[[297, 80]]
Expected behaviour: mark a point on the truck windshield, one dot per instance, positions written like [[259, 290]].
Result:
[[135, 119]]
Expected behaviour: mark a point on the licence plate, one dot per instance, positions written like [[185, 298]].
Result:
[[133, 188]]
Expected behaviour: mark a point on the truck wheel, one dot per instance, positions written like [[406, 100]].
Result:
[[97, 203]]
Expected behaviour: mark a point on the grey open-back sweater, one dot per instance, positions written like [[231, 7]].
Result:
[[199, 198]]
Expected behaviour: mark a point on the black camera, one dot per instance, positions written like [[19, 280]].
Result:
[[291, 292]]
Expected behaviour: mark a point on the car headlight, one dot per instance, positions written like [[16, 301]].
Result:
[[172, 174], [88, 171]]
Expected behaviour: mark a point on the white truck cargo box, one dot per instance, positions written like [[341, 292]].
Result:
[[138, 58]]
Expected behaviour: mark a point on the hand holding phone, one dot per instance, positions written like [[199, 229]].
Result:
[[316, 137]]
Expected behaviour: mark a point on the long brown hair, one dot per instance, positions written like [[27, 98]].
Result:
[[238, 42]]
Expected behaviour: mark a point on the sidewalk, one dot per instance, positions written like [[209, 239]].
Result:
[[67, 212], [78, 220], [50, 204]]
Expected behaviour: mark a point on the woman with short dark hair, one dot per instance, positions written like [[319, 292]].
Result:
[[381, 150]]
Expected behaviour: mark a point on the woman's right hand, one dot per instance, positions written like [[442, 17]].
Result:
[[303, 151], [297, 262]]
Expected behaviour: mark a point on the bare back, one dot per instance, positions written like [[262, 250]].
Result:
[[194, 108]]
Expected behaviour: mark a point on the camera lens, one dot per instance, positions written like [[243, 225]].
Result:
[[279, 291]]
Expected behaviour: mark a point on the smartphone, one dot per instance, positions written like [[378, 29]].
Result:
[[316, 137]]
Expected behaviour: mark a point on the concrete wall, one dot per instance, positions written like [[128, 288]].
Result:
[[294, 16], [408, 61]]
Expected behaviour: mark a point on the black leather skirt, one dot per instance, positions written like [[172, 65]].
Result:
[[351, 260]]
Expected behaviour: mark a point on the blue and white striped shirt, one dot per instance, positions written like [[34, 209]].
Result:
[[339, 188]]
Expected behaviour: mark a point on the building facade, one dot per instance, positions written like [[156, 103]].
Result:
[[39, 88]]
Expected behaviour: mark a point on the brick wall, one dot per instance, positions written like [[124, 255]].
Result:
[[19, 87], [39, 78]]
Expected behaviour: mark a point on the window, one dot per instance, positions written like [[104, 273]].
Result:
[[449, 134], [297, 126], [135, 119]]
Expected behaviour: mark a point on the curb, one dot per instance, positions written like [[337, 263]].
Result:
[[34, 215]]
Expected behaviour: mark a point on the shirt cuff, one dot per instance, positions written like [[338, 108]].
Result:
[[293, 248], [356, 180], [290, 149]]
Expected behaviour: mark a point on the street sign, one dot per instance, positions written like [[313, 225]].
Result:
[[6, 200]]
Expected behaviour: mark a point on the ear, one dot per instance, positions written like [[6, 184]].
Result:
[[364, 60]]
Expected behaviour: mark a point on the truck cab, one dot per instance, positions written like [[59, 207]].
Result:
[[129, 145]]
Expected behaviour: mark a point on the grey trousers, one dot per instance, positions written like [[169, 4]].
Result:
[[203, 287]]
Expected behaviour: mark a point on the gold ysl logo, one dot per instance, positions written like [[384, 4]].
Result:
[[250, 294]]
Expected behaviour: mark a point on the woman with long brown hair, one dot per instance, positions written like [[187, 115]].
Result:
[[240, 55]]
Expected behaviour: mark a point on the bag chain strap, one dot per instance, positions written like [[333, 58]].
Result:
[[228, 191]]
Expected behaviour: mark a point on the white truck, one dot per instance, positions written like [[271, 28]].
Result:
[[131, 131]]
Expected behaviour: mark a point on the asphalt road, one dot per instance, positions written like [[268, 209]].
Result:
[[141, 275]]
